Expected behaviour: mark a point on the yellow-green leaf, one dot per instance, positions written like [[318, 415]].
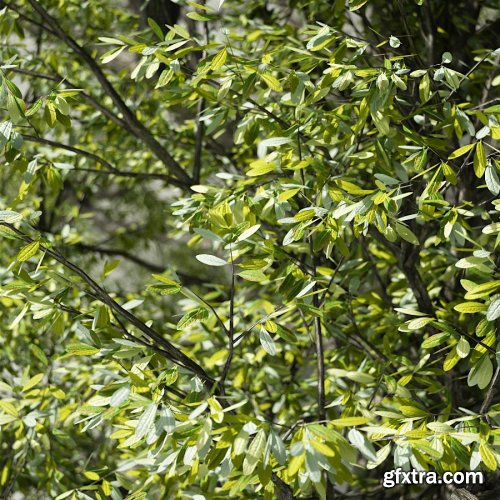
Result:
[[470, 307], [461, 151], [286, 195], [32, 382], [406, 233], [412, 411], [253, 275], [487, 456], [219, 60], [28, 251], [479, 160], [350, 421], [260, 167], [435, 340], [322, 448], [93, 476], [418, 323], [81, 349], [271, 81], [482, 290]]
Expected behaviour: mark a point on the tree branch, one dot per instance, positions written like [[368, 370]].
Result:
[[172, 352], [137, 127]]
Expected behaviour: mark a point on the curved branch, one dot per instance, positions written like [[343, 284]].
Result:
[[136, 127], [171, 352]]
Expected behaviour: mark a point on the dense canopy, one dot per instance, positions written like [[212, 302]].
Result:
[[248, 249]]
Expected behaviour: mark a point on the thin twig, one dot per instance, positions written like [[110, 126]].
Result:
[[489, 394], [227, 364], [198, 148], [73, 149]]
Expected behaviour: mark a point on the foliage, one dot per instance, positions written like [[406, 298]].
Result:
[[250, 255]]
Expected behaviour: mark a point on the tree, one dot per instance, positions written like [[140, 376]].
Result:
[[249, 255]]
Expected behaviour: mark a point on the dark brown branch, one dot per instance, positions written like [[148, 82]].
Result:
[[121, 327], [111, 170], [187, 279], [150, 266], [407, 256], [134, 175], [172, 352]]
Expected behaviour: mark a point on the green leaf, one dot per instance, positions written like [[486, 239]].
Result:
[[493, 312], [112, 54], [470, 307], [492, 180], [248, 232], [260, 167], [406, 234], [463, 347], [267, 342], [482, 290], [271, 81], [198, 314], [286, 195], [394, 42], [120, 396], [452, 358], [435, 340], [399, 82], [359, 441], [254, 452], [253, 275], [209, 235], [93, 476], [32, 382], [461, 151], [211, 260], [382, 455], [479, 160], [350, 421], [416, 324], [9, 216], [28, 251], [481, 373], [412, 411], [219, 60], [196, 16], [146, 421], [167, 286], [165, 280], [356, 4], [320, 40], [488, 457], [323, 448], [424, 88], [5, 132], [81, 349]]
